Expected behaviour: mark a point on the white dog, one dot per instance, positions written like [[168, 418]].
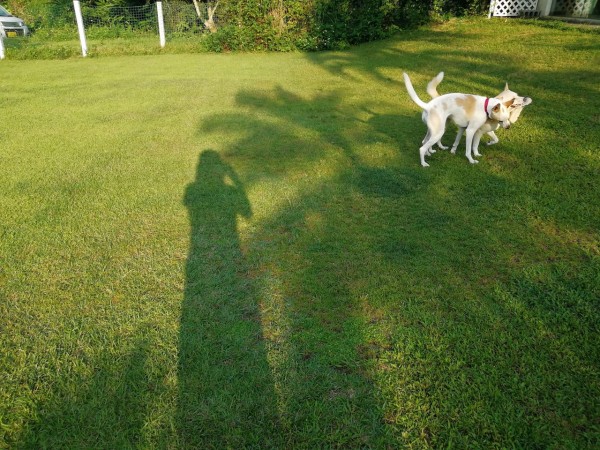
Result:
[[467, 111], [490, 125]]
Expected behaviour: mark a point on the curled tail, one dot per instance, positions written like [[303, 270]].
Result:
[[412, 93], [433, 84]]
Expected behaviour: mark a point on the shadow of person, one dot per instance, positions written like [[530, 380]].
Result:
[[226, 396]]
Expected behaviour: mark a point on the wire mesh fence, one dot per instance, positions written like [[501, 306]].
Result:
[[112, 30], [179, 17], [183, 18], [135, 17]]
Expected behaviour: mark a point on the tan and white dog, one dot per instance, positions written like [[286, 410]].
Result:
[[490, 125], [467, 111]]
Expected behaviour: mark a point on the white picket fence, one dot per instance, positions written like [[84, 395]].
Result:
[[574, 8], [516, 8], [512, 8]]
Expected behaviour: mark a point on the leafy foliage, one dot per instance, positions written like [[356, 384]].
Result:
[[279, 24]]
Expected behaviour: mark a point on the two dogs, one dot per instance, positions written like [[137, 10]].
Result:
[[473, 114]]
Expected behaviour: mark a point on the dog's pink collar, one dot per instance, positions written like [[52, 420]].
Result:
[[485, 105]]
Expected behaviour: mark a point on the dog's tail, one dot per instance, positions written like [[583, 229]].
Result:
[[412, 93], [433, 84]]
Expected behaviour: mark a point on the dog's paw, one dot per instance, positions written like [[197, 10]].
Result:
[[473, 161], [453, 151], [476, 154], [424, 164], [491, 143], [442, 147], [431, 151]]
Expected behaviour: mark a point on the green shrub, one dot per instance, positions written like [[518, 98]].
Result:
[[251, 25]]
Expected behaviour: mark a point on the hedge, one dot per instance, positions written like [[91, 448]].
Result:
[[283, 24]]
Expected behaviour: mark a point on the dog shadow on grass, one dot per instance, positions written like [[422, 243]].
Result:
[[225, 387]]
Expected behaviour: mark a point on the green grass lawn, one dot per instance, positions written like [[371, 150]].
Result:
[[243, 251]]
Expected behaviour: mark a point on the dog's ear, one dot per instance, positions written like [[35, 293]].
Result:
[[509, 103], [496, 108]]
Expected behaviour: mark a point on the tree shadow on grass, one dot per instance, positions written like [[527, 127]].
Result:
[[470, 66], [422, 302], [422, 57], [107, 408], [389, 281], [226, 397], [310, 317]]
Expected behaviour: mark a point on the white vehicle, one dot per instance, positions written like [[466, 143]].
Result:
[[11, 26]]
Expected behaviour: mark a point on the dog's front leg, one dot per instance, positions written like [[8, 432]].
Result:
[[494, 138], [459, 134], [470, 136]]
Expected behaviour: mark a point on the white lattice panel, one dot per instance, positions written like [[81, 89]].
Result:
[[575, 8], [513, 8]]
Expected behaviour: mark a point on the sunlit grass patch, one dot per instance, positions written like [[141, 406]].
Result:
[[214, 251]]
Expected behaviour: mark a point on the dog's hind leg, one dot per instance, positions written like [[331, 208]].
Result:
[[426, 138], [426, 147], [441, 146], [431, 151], [459, 134], [422, 152]]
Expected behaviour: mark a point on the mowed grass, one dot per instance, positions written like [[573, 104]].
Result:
[[66, 44], [242, 250]]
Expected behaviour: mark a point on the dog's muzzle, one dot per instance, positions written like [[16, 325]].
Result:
[[505, 124]]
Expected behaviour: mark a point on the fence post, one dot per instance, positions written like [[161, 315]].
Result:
[[80, 27], [492, 7], [1, 46], [545, 7], [161, 24]]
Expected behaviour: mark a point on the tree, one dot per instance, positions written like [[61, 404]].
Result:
[[209, 22]]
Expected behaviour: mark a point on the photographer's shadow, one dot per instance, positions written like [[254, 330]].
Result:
[[226, 397]]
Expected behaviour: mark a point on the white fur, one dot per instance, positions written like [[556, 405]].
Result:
[[490, 125], [467, 111]]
